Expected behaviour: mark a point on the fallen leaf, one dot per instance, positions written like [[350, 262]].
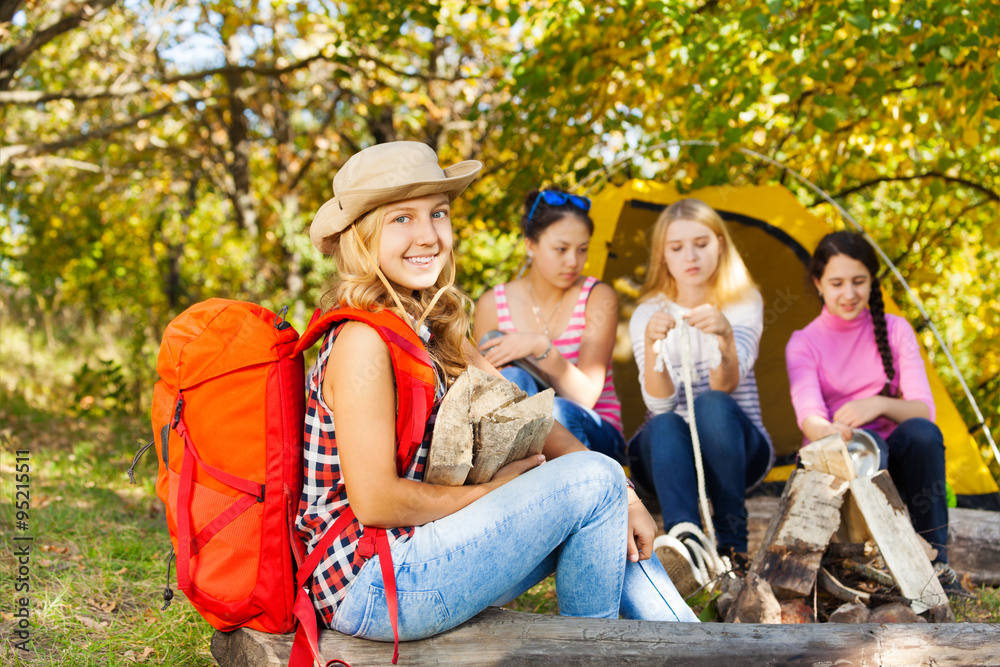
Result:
[[145, 653], [88, 622], [44, 562], [120, 572], [106, 607]]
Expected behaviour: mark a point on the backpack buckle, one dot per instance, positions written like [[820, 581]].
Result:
[[366, 545], [177, 411]]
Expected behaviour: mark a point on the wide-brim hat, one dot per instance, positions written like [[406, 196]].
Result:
[[382, 174]]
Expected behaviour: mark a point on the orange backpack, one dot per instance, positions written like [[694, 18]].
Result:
[[228, 414]]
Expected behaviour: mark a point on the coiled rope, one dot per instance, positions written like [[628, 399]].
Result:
[[706, 564]]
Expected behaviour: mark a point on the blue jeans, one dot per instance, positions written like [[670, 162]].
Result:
[[914, 455], [586, 425], [567, 516], [735, 455]]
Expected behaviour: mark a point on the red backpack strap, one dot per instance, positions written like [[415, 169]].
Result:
[[414, 375], [412, 368], [305, 648]]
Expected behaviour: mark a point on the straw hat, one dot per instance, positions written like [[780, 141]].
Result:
[[382, 174]]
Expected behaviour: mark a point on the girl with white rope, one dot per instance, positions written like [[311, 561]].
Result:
[[699, 315]]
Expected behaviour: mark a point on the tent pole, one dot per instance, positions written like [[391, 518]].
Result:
[[609, 170]]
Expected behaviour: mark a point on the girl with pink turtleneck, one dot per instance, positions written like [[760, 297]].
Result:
[[855, 367]]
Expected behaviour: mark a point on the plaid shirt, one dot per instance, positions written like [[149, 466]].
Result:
[[324, 495]]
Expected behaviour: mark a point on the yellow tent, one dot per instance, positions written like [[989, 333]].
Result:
[[775, 236]]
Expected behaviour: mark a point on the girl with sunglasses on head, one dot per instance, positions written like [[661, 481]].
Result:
[[696, 276], [855, 367], [558, 323], [398, 339]]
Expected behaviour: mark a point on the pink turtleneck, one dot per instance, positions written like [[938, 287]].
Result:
[[833, 361]]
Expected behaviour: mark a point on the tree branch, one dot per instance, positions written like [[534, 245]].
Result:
[[310, 158], [985, 383], [955, 222], [11, 59], [990, 194], [8, 8], [8, 153], [38, 97], [100, 92]]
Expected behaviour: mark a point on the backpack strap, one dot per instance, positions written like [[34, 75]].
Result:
[[411, 365], [414, 376], [305, 648]]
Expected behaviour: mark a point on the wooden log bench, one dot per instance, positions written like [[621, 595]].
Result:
[[504, 637], [973, 539]]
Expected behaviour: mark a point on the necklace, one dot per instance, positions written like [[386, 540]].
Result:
[[538, 311]]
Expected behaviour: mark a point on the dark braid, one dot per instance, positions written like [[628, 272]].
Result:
[[855, 246], [877, 308]]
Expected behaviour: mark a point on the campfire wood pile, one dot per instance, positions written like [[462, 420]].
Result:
[[484, 423], [839, 548]]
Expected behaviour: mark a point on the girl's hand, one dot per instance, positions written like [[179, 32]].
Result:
[[856, 414], [515, 469], [659, 326], [641, 529], [502, 350], [843, 430], [708, 319]]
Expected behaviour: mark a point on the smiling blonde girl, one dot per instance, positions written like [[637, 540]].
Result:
[[400, 338]]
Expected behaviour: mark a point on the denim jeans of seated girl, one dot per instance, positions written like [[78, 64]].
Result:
[[735, 456], [567, 516]]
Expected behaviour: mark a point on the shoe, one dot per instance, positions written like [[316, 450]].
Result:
[[738, 562], [678, 563], [949, 581]]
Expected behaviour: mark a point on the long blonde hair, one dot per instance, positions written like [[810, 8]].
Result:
[[731, 282], [358, 285]]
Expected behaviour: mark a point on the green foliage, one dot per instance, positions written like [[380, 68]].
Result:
[[541, 599], [100, 391]]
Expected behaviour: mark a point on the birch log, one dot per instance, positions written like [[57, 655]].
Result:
[[799, 533], [890, 526]]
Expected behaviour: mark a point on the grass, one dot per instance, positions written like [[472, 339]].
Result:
[[98, 555], [984, 607]]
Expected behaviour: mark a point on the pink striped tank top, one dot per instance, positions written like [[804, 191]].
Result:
[[568, 344]]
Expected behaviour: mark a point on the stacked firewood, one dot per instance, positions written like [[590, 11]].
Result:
[[840, 548], [485, 422]]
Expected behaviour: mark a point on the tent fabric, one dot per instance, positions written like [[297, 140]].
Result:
[[775, 236]]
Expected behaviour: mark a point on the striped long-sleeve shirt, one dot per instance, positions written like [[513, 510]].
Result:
[[747, 321]]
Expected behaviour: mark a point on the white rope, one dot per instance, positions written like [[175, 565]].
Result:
[[702, 545]]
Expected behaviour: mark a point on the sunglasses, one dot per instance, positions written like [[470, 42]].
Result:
[[553, 198]]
